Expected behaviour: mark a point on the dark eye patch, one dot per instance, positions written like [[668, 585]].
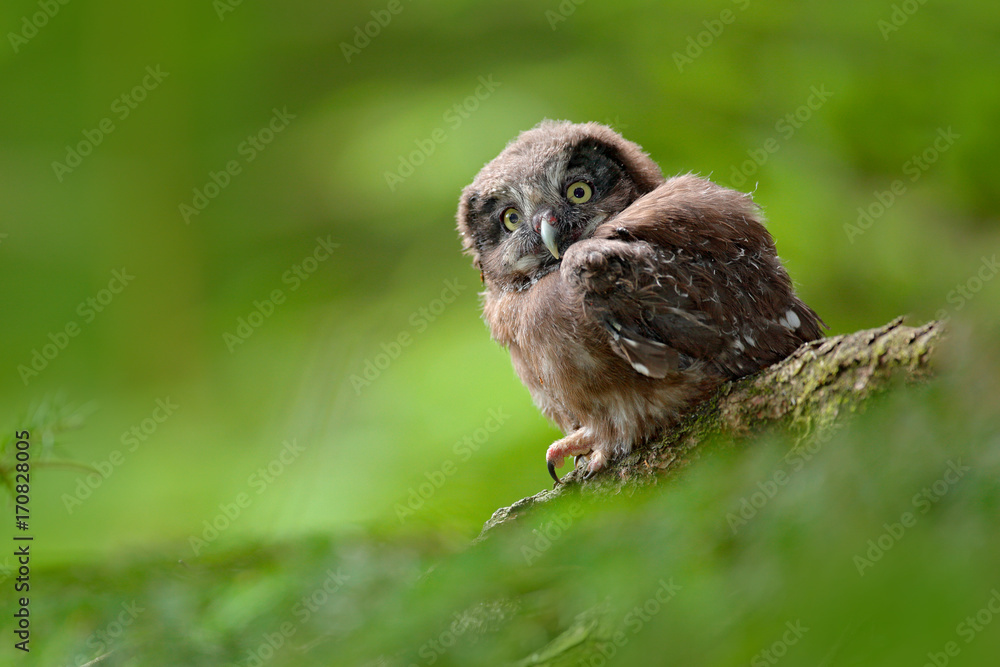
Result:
[[490, 207], [485, 222], [593, 162]]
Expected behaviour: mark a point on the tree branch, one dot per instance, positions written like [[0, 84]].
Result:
[[805, 392]]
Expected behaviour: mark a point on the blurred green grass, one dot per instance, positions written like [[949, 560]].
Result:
[[367, 447]]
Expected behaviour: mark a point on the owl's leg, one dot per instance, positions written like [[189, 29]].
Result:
[[577, 443]]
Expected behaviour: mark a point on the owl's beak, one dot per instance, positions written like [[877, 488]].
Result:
[[550, 239], [543, 224]]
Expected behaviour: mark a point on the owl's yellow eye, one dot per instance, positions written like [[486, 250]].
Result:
[[511, 218], [579, 192]]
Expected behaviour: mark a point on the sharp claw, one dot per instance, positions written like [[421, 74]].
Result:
[[552, 471]]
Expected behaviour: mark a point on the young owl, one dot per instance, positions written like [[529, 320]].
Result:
[[623, 297]]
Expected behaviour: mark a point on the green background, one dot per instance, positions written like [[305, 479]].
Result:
[[724, 89]]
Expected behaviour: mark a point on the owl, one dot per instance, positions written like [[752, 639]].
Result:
[[624, 297]]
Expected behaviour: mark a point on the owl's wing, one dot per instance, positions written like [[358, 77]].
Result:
[[687, 275]]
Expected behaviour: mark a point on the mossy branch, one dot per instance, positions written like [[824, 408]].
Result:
[[805, 392]]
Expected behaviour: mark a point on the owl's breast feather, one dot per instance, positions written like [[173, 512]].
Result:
[[564, 358], [559, 353]]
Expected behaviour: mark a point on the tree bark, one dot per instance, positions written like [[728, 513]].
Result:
[[806, 392]]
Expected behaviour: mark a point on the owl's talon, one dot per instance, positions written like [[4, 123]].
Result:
[[575, 444], [598, 460]]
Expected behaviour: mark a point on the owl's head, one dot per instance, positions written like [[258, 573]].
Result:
[[549, 188]]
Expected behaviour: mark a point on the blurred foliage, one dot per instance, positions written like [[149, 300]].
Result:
[[49, 420], [878, 548], [371, 377]]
